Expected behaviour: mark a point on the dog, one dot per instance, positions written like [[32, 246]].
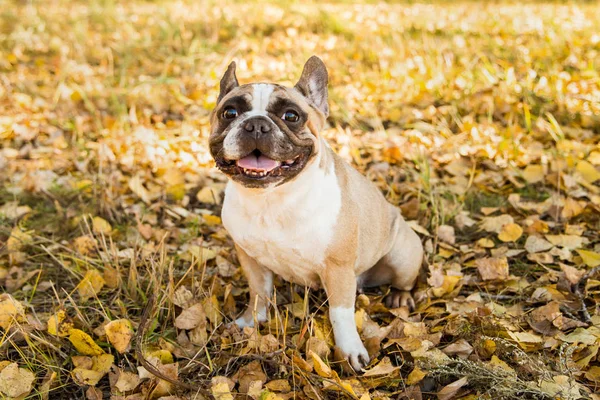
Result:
[[296, 209]]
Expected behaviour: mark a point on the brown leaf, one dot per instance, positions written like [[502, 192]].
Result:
[[492, 268], [450, 391], [15, 381], [191, 318]]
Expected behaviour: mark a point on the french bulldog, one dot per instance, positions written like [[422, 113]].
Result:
[[296, 209]]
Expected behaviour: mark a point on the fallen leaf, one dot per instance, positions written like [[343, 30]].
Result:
[[486, 243], [91, 284], [495, 224], [221, 391], [18, 239], [10, 311], [510, 233], [279, 385], [587, 171], [498, 363], [536, 244], [461, 348], [127, 381], [101, 226], [322, 369], [492, 268], [593, 374], [84, 244], [568, 241], [209, 195], [415, 376], [450, 391], [590, 258], [446, 234], [119, 333], [191, 317], [212, 309], [15, 381], [83, 343], [384, 367], [533, 173]]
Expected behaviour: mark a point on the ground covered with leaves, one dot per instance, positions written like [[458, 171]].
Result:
[[480, 121]]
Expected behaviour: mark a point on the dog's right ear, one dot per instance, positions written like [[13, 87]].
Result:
[[228, 82]]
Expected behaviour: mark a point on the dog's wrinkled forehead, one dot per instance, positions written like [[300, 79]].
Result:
[[260, 98]]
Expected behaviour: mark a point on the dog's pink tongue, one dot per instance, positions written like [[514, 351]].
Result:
[[260, 163]]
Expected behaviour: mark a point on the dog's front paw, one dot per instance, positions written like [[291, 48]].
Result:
[[248, 318], [354, 352]]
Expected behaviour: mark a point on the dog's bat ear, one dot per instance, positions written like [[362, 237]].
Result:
[[313, 83], [228, 82]]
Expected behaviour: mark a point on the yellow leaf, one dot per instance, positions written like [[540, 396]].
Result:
[[496, 362], [587, 171], [211, 220], [488, 347], [10, 311], [18, 239], [533, 173], [56, 326], [486, 243], [593, 374], [15, 381], [510, 233], [322, 369], [567, 241], [84, 344], [164, 356], [221, 391], [415, 376], [119, 333], [84, 244], [212, 308], [102, 363], [91, 284], [590, 258], [385, 367], [209, 195], [84, 377], [279, 385], [101, 226]]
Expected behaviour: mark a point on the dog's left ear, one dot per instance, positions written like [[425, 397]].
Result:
[[313, 83], [228, 82]]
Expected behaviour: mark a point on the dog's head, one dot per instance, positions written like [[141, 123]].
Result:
[[264, 134]]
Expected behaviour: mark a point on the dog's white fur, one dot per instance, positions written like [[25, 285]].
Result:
[[259, 221]]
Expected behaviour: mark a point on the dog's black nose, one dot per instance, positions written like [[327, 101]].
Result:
[[258, 125]]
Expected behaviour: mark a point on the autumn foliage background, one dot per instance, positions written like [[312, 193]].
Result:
[[480, 120]]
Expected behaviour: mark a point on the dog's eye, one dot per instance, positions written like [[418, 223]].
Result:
[[230, 113], [290, 116]]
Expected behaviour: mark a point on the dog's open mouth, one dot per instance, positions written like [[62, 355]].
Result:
[[257, 165]]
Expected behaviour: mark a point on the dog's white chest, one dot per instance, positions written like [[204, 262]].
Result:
[[289, 228]]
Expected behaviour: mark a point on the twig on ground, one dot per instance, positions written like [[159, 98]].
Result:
[[580, 293]]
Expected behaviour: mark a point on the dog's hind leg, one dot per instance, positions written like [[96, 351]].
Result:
[[402, 265]]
